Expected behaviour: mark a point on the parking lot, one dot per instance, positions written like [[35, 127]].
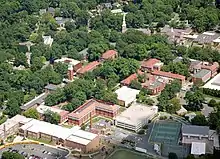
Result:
[[32, 151]]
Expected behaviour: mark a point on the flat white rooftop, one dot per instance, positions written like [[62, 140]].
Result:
[[214, 83], [198, 148], [136, 113], [43, 108], [68, 60], [127, 94], [73, 134]]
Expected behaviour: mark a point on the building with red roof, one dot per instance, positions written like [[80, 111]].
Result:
[[170, 76], [127, 81], [110, 54], [212, 67], [89, 67], [90, 109], [151, 65]]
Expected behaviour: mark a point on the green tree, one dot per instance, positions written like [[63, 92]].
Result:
[[12, 155], [12, 108], [174, 105], [32, 113], [212, 103], [199, 120], [194, 100], [52, 117], [172, 155]]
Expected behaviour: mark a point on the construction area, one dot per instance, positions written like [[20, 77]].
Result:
[[165, 132]]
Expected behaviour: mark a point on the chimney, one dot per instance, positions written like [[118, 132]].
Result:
[[70, 72], [90, 125]]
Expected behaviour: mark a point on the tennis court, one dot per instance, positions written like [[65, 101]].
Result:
[[165, 132]]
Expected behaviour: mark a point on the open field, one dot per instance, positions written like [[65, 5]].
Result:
[[126, 154]]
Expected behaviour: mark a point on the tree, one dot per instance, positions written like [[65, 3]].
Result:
[[135, 84], [172, 155], [12, 155], [12, 108], [199, 120], [52, 117], [194, 100], [32, 113], [212, 103], [174, 105]]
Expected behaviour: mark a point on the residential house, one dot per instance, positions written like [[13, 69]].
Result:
[[176, 35], [109, 55], [61, 21], [151, 65], [51, 88], [202, 76], [209, 38], [51, 10]]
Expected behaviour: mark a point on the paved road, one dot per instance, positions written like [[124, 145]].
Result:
[[41, 151]]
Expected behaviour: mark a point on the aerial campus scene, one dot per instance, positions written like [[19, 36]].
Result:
[[110, 79]]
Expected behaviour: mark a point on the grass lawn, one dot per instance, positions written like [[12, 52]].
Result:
[[126, 154], [41, 140]]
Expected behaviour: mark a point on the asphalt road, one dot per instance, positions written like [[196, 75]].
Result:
[[41, 151]]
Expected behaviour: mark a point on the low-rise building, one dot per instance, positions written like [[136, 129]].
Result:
[[74, 63], [202, 76], [199, 134], [72, 138], [51, 88], [214, 83], [34, 102], [61, 21], [209, 38], [169, 76], [89, 67], [109, 55], [126, 95], [48, 40], [11, 126], [92, 108], [135, 117], [151, 65], [42, 109]]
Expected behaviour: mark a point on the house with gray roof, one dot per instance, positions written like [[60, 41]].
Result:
[[61, 21], [207, 38], [51, 87], [202, 76]]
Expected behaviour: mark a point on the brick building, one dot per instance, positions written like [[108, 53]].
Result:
[[109, 55], [151, 65], [92, 108], [202, 76], [89, 67]]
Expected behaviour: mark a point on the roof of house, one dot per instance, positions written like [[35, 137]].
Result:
[[108, 54], [169, 75], [61, 20], [149, 63], [207, 37], [195, 130], [89, 67], [37, 100], [155, 84], [84, 52], [91, 105], [214, 83], [201, 73], [198, 148]]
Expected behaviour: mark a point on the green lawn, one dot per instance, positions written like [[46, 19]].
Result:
[[125, 154]]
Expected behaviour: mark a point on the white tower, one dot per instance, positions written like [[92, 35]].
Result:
[[124, 28], [28, 57]]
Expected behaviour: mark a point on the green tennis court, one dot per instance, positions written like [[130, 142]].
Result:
[[165, 132]]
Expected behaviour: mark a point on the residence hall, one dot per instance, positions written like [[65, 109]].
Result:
[[42, 109], [90, 109], [109, 55], [89, 67], [169, 76], [152, 83], [73, 138], [151, 65]]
